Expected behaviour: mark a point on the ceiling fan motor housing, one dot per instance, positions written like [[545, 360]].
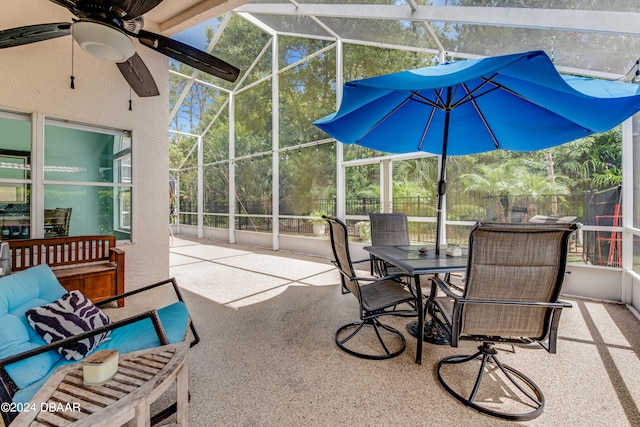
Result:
[[103, 41]]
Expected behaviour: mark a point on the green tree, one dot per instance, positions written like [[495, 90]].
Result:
[[492, 180]]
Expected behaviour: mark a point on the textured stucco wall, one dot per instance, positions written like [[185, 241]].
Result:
[[35, 78]]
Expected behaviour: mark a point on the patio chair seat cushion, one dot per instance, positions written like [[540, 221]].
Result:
[[135, 336]]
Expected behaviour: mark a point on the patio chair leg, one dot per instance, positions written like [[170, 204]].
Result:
[[531, 394], [376, 325]]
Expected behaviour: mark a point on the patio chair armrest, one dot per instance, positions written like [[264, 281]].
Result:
[[378, 279], [556, 305], [437, 282], [367, 279], [151, 314]]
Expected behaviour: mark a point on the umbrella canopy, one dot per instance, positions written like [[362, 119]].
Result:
[[513, 102]]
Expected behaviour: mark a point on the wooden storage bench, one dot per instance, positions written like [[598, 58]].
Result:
[[90, 264]]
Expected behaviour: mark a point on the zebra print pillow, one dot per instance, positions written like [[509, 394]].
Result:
[[70, 315]]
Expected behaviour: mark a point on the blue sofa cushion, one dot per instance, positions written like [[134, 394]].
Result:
[[69, 315], [132, 337], [20, 292], [141, 335]]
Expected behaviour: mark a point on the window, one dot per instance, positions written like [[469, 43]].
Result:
[[87, 173], [15, 165]]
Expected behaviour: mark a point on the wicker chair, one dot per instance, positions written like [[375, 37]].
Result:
[[514, 276], [390, 229], [377, 296]]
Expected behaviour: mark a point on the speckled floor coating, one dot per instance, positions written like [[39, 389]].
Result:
[[268, 358]]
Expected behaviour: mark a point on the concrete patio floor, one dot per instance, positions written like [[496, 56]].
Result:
[[268, 358]]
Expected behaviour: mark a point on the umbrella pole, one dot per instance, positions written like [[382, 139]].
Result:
[[442, 183]]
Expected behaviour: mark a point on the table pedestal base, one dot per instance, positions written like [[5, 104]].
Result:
[[432, 333]]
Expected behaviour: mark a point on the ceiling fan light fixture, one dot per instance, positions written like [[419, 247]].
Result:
[[103, 41]]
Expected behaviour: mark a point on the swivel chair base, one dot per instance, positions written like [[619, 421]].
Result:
[[529, 394], [352, 329]]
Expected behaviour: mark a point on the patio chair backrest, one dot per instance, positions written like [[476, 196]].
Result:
[[389, 229], [552, 219], [514, 262], [57, 222], [342, 258]]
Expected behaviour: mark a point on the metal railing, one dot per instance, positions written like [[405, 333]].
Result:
[[464, 209]]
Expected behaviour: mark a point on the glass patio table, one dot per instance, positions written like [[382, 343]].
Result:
[[413, 261]]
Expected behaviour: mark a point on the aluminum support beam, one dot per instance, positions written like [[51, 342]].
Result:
[[561, 19]]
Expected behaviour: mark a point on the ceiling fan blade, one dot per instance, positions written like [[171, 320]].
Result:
[[33, 33], [188, 55], [138, 76], [135, 8]]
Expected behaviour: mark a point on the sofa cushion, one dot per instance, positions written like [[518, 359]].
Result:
[[141, 334], [132, 337], [20, 292], [69, 315], [28, 287]]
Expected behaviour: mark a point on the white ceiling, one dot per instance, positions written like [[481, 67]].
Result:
[[173, 16]]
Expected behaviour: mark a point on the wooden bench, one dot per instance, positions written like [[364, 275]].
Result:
[[90, 264]]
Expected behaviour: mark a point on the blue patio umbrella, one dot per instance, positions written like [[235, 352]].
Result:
[[515, 102]]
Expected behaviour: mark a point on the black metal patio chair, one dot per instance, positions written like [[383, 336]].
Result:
[[514, 277], [387, 229], [377, 297]]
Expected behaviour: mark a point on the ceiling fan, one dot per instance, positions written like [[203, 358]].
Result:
[[104, 29]]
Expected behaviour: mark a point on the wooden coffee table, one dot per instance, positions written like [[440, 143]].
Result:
[[64, 400]]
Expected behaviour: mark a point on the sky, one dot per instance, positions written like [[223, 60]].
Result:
[[196, 36]]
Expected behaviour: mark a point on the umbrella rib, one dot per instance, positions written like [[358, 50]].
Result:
[[506, 89], [518, 95], [446, 105], [440, 103], [443, 105], [426, 128], [421, 98], [479, 112], [470, 94], [385, 117]]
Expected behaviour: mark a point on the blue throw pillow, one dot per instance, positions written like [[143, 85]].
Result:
[[70, 315]]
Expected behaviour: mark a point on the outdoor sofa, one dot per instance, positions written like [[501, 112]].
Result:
[[27, 361]]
